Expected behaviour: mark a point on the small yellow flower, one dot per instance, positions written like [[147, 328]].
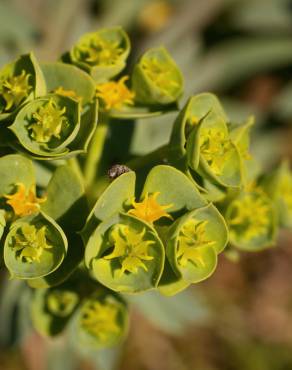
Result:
[[15, 89], [24, 203], [30, 242], [155, 15], [62, 302], [192, 236], [149, 209], [68, 93], [130, 247], [160, 73], [215, 148], [49, 122], [100, 319], [96, 50], [249, 216], [115, 94]]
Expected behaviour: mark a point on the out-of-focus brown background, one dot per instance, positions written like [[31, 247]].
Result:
[[241, 318]]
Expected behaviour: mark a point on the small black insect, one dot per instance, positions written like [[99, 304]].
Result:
[[117, 170]]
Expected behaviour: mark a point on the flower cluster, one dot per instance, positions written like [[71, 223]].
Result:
[[159, 222]]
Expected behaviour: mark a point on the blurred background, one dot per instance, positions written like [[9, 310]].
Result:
[[241, 318]]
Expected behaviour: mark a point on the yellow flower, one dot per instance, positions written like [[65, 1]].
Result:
[[149, 209], [249, 216], [62, 302], [192, 236], [24, 203], [130, 247], [215, 148], [15, 89], [115, 94], [49, 122], [96, 50], [160, 73], [69, 93], [30, 243], [100, 319], [155, 15]]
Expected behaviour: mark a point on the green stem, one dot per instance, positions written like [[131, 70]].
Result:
[[157, 156], [74, 164], [94, 153]]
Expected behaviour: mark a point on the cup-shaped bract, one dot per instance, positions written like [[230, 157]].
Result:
[[252, 220], [125, 254], [102, 53], [194, 241], [101, 320], [278, 185], [68, 80], [35, 246], [201, 142], [20, 81], [156, 78], [47, 126], [15, 169], [52, 308]]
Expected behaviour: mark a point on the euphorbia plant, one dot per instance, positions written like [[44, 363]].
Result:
[[82, 242]]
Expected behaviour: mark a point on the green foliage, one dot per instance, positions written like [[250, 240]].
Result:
[[80, 240]]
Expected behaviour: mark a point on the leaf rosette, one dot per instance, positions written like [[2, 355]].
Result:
[[156, 79], [252, 220], [20, 82], [35, 246], [48, 127], [102, 53], [101, 321]]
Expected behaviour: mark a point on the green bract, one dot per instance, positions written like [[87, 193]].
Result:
[[125, 254], [65, 199], [52, 308], [52, 127], [201, 142], [15, 169], [194, 241], [35, 246], [68, 80], [156, 79], [101, 321], [103, 53], [20, 81], [278, 185], [252, 221]]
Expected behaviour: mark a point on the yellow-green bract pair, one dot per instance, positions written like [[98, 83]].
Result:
[[167, 239]]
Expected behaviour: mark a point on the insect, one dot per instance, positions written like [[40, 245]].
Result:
[[117, 170]]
